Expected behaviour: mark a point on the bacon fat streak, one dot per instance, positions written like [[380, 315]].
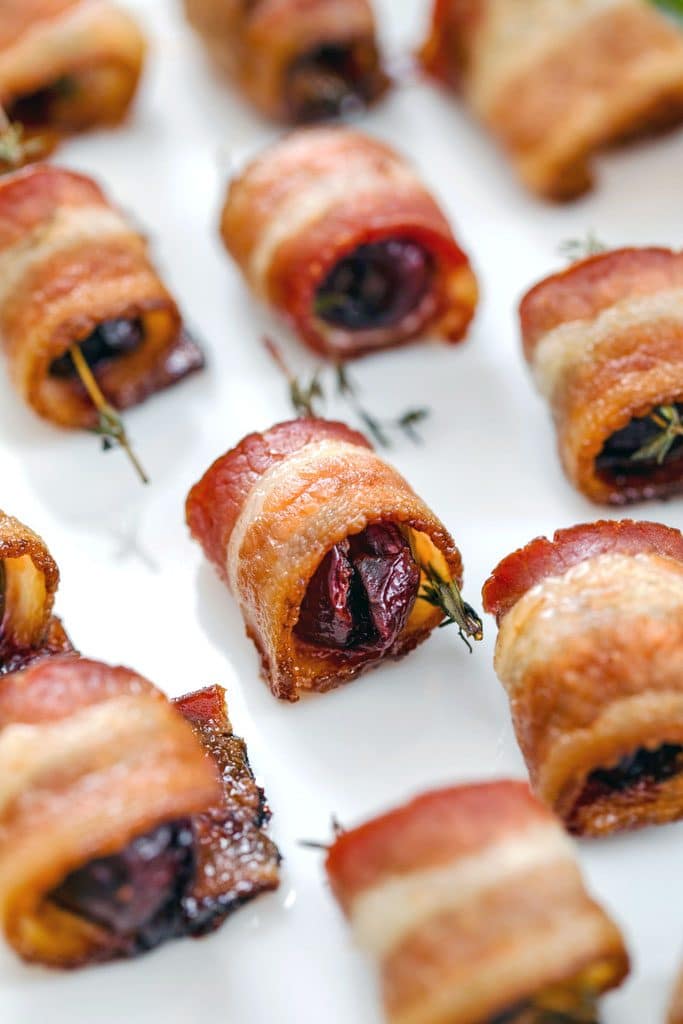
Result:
[[68, 65], [123, 821], [296, 60], [72, 270], [554, 82], [590, 651], [337, 233], [604, 340], [272, 512], [471, 902]]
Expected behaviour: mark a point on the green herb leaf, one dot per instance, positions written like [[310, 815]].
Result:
[[668, 419], [576, 249], [672, 7], [445, 594]]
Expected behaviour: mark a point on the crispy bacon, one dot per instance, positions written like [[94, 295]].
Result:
[[269, 511], [73, 271], [29, 578], [336, 232], [557, 82], [68, 65], [603, 340], [471, 902], [524, 568], [296, 60], [590, 651], [124, 821], [676, 1010]]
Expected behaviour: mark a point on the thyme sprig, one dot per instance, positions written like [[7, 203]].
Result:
[[109, 424], [445, 595], [15, 148], [576, 249], [308, 398], [673, 7], [317, 844], [668, 419]]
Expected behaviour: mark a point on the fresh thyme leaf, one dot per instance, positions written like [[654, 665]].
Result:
[[668, 419], [409, 420], [673, 7], [304, 396], [575, 249], [445, 594]]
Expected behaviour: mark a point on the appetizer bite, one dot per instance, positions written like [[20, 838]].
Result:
[[335, 562], [590, 652], [296, 60], [604, 340], [29, 578], [472, 903], [124, 821], [86, 324], [337, 233], [67, 65], [555, 82]]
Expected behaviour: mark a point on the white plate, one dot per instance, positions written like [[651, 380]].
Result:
[[136, 590]]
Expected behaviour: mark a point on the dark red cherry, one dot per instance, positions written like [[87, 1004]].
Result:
[[110, 339], [362, 594], [378, 285]]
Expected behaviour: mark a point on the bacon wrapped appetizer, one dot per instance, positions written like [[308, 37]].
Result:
[[556, 82], [335, 562], [335, 231], [472, 903], [67, 65], [75, 275], [590, 651], [121, 825], [297, 61], [28, 582], [604, 340]]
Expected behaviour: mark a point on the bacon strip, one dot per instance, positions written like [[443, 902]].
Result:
[[555, 82], [308, 203], [68, 65], [471, 902], [268, 511], [235, 859], [266, 48], [603, 340], [69, 263], [590, 651], [29, 578], [93, 757]]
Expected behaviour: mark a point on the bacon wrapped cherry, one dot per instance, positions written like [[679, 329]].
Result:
[[471, 903], [603, 340], [590, 651], [296, 61], [336, 232], [124, 821], [335, 562]]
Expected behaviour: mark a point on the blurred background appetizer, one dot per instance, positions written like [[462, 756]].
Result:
[[67, 65], [86, 324], [555, 82], [335, 562], [29, 578], [604, 340], [297, 61], [471, 901], [590, 652], [336, 232], [124, 820]]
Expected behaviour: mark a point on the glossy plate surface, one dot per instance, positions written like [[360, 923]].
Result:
[[135, 590]]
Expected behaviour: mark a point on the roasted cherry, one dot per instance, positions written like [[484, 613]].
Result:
[[378, 285], [362, 594], [616, 458], [333, 79], [109, 339], [135, 894], [642, 768]]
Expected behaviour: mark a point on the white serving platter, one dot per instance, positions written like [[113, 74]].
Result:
[[135, 589]]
